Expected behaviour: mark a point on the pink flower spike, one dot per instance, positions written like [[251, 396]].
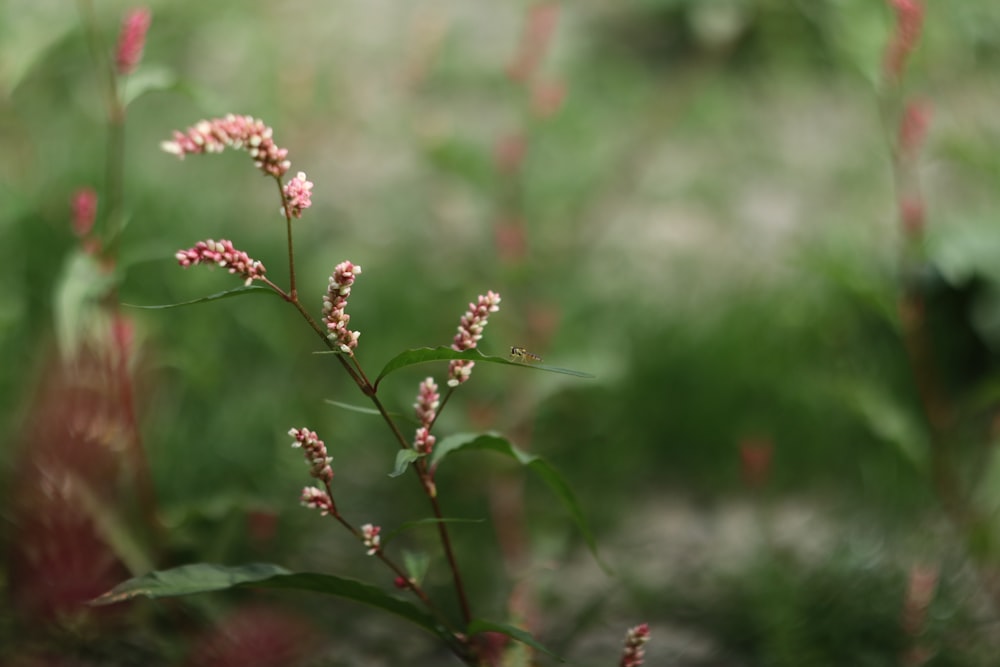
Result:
[[428, 400], [334, 303], [634, 653], [225, 255], [370, 534], [237, 132], [315, 453], [84, 211], [470, 331], [319, 500], [909, 23], [297, 195], [132, 39]]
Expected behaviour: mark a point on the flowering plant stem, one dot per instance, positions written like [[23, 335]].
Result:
[[357, 374]]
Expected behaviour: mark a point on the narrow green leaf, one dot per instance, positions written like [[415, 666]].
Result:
[[189, 579], [479, 625], [404, 458], [497, 443], [354, 408], [238, 291], [423, 355], [204, 577]]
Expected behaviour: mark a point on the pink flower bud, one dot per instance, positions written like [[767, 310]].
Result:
[[84, 211], [132, 39], [370, 535]]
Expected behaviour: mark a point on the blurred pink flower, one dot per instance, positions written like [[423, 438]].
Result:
[[634, 653], [225, 255], [237, 132], [909, 22], [132, 39], [84, 204], [913, 129], [470, 331]]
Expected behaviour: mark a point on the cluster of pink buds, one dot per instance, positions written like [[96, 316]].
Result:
[[634, 653], [371, 537], [470, 331], [225, 255], [428, 400], [315, 453], [237, 132], [132, 39], [319, 500], [334, 303], [297, 193]]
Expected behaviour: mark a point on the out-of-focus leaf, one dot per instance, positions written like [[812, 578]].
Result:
[[497, 443], [891, 422], [404, 458], [416, 564], [423, 355], [28, 32], [478, 625], [239, 291], [82, 284], [354, 408], [470, 162], [148, 79]]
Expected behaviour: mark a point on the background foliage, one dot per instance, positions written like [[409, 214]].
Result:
[[710, 230]]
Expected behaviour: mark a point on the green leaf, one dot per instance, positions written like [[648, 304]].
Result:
[[479, 625], [416, 564], [189, 579], [80, 288], [147, 79], [205, 577], [354, 408], [403, 460], [422, 355], [497, 443], [238, 291]]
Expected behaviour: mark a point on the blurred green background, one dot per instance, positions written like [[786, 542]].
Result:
[[707, 202]]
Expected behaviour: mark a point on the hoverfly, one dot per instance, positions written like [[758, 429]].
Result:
[[522, 355]]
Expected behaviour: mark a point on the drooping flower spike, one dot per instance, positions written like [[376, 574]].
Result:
[[237, 132], [470, 331], [315, 453], [225, 255]]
